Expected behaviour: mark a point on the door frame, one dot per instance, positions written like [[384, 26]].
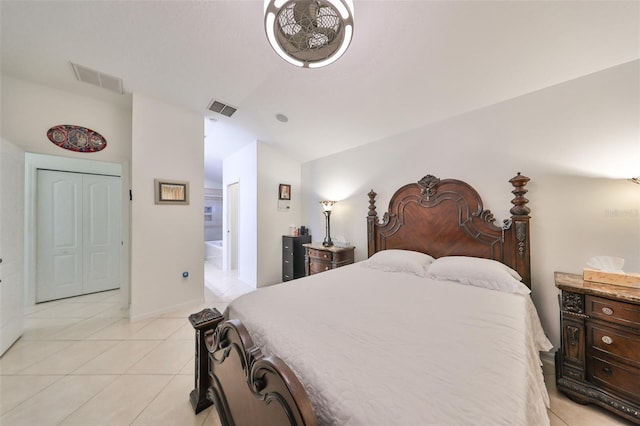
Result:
[[33, 162], [232, 223]]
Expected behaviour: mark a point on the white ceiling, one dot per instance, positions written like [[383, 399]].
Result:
[[410, 62]]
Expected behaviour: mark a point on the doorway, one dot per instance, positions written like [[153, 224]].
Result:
[[78, 234], [34, 162], [223, 284]]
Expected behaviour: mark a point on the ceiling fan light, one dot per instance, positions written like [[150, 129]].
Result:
[[345, 8], [279, 3], [309, 33]]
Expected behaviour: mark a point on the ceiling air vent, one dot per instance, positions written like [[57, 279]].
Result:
[[97, 78], [221, 108]]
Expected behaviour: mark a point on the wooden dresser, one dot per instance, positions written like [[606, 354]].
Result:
[[319, 258], [599, 358]]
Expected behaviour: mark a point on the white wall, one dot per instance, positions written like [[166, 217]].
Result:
[[259, 169], [168, 144], [11, 244], [275, 168], [242, 167], [29, 110], [578, 142], [166, 240]]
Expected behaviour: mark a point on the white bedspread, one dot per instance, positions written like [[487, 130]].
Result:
[[390, 348]]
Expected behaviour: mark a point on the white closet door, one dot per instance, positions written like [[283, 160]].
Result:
[[101, 233], [78, 234], [59, 235]]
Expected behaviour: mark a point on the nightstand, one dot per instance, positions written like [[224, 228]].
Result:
[[319, 258], [599, 357]]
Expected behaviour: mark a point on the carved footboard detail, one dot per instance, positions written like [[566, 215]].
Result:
[[248, 388]]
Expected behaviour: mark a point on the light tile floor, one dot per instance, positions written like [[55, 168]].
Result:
[[81, 362], [74, 366], [224, 285]]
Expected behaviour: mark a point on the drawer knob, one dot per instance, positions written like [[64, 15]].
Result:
[[606, 339], [326, 268], [607, 370], [607, 311]]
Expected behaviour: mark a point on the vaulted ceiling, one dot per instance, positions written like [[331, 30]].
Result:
[[410, 63]]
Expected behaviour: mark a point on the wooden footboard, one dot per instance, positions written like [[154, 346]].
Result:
[[248, 388]]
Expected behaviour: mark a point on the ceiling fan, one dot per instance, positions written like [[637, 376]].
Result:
[[309, 33]]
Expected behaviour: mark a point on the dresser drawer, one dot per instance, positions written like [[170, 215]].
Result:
[[320, 254], [621, 379], [343, 256], [613, 311], [609, 341], [287, 271], [316, 266]]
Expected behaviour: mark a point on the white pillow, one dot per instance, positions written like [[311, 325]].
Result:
[[394, 260], [478, 272]]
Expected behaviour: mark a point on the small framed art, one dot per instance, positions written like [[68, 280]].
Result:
[[171, 191], [284, 192]]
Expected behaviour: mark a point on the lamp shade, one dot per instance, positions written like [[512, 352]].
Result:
[[309, 33], [327, 206]]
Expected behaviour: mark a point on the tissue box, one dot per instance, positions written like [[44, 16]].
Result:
[[626, 279]]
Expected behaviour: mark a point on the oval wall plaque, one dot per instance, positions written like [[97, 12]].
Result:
[[76, 138]]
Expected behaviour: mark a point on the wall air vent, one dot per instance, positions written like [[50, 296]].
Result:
[[97, 78], [221, 108]]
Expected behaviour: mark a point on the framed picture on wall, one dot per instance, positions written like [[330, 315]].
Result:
[[171, 191], [284, 192]]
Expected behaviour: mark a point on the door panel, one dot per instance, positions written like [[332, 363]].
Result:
[[59, 235], [232, 225], [101, 233]]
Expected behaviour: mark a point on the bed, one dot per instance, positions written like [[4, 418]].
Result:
[[437, 326]]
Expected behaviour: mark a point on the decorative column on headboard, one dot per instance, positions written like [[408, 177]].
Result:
[[519, 203], [520, 227], [372, 219]]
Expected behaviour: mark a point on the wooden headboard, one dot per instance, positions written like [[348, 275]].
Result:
[[445, 217]]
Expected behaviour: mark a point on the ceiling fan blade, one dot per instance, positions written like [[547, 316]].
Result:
[[328, 33], [305, 13]]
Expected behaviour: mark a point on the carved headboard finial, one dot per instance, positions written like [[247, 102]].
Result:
[[428, 185], [372, 204], [519, 202]]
